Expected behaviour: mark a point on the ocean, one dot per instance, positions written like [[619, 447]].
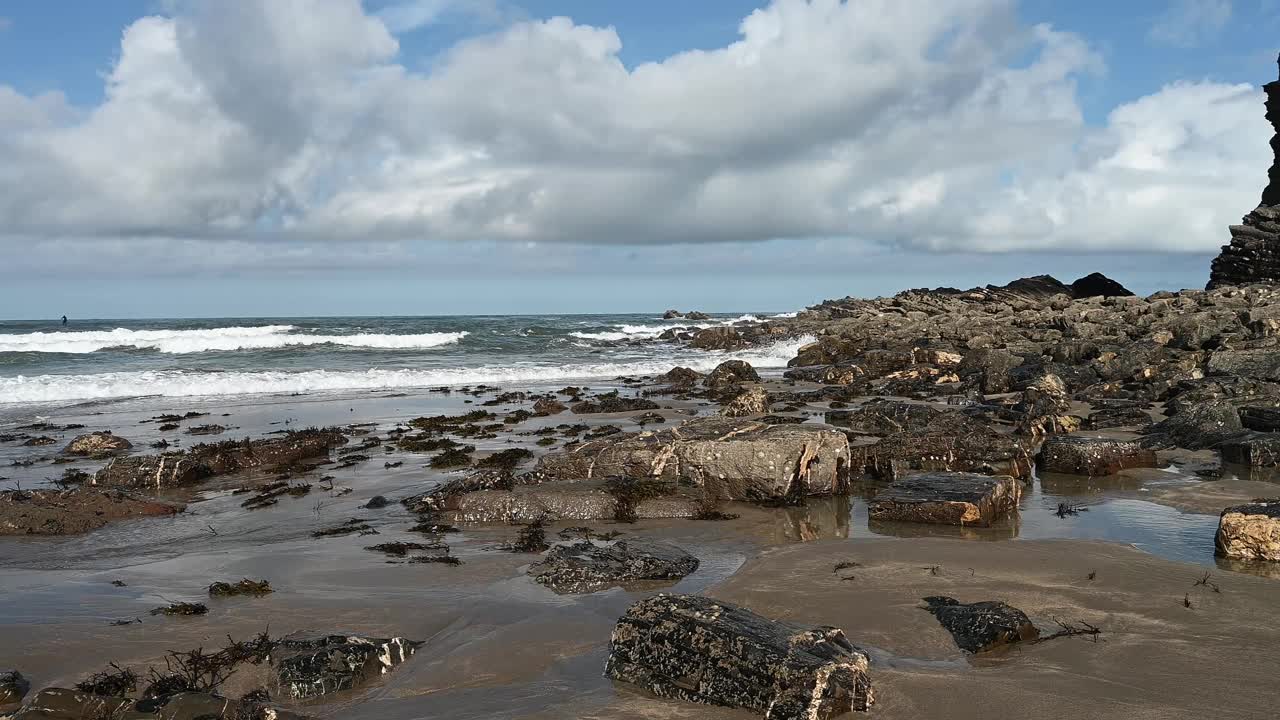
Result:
[[44, 363]]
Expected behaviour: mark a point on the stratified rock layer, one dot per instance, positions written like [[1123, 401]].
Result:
[[701, 650], [947, 498], [1250, 532], [586, 567]]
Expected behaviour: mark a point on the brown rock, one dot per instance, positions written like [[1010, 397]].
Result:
[[1095, 457], [1250, 532], [752, 401], [947, 499], [97, 444]]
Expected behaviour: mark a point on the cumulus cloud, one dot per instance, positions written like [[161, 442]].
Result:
[[1189, 23], [919, 123]]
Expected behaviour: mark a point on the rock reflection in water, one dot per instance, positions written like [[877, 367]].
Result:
[[818, 519]]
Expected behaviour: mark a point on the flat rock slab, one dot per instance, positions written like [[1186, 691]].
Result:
[[309, 666], [557, 502], [586, 567], [204, 461], [1252, 449], [948, 499], [700, 650], [730, 459], [1076, 455], [1250, 532], [70, 512], [981, 626], [934, 442]]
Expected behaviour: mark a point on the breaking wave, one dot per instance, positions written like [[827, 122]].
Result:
[[263, 337], [186, 383]]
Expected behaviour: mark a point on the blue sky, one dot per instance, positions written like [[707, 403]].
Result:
[[486, 159]]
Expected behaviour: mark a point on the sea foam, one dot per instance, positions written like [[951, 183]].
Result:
[[262, 337]]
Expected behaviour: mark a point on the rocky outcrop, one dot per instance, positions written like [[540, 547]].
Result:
[[752, 401], [717, 338], [612, 402], [1098, 285], [1254, 252], [1256, 449], [97, 444], [13, 687], [562, 501], [587, 567], [704, 651], [71, 512], [918, 438], [981, 626], [947, 498], [728, 459], [308, 666], [1095, 457], [1250, 532], [729, 373]]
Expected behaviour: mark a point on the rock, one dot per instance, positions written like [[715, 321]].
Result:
[[940, 441], [1098, 285], [947, 498], [729, 459], [612, 403], [1045, 408], [377, 502], [696, 316], [990, 368], [680, 377], [64, 704], [1197, 426], [842, 375], [1250, 532], [981, 626], [1095, 457], [1262, 419], [1258, 364], [1118, 417], [700, 650], [549, 406], [1256, 449], [97, 444], [587, 567], [13, 687], [717, 338], [308, 666], [672, 315], [71, 512], [204, 461], [752, 401], [731, 372], [560, 501]]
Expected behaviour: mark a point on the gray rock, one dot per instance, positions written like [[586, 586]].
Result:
[[752, 401], [1254, 449], [64, 704], [701, 650], [730, 372], [309, 666], [1092, 456], [981, 626], [947, 498], [587, 567], [13, 687]]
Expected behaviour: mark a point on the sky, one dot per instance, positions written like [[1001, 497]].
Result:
[[170, 158]]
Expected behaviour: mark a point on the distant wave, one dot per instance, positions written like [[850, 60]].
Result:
[[178, 383], [786, 315], [213, 339], [640, 332]]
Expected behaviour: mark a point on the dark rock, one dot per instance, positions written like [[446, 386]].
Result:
[[700, 650], [65, 704], [1258, 364], [1098, 285], [696, 316], [1095, 457], [1118, 417], [586, 567], [549, 406], [377, 502], [612, 403], [1262, 419], [731, 372], [1198, 426], [206, 430], [251, 588], [13, 687], [1254, 449], [308, 666], [981, 626], [70, 512], [672, 314], [947, 498], [680, 377], [947, 441], [990, 368], [717, 338], [97, 445]]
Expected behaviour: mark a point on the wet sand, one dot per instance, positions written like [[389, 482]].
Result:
[[498, 645]]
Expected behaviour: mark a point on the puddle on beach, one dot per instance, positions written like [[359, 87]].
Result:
[[498, 645]]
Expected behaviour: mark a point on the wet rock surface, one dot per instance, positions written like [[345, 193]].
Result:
[[586, 567], [13, 687], [71, 512], [97, 444], [700, 650], [1250, 532], [309, 666], [1255, 449], [947, 498], [1092, 456], [981, 626]]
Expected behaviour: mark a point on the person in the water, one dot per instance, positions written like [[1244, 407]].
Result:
[[64, 319]]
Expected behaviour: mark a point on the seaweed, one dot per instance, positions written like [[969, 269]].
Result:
[[254, 588]]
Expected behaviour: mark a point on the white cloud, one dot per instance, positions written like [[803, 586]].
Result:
[[910, 122], [1189, 23], [411, 15]]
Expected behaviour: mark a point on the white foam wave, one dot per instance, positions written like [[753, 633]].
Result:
[[178, 383], [786, 315], [213, 339]]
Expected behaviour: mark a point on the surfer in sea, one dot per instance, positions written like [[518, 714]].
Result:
[[64, 319]]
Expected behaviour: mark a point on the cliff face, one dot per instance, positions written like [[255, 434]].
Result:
[[1254, 252]]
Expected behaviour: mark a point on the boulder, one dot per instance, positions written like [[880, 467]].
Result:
[[1045, 408], [97, 444], [1260, 364], [672, 314], [842, 375], [204, 461], [696, 316], [945, 441], [587, 567], [1250, 532], [13, 687], [560, 501], [752, 401], [729, 459], [717, 338], [990, 369], [1098, 285], [612, 402], [731, 372], [1262, 419], [680, 377], [981, 626], [64, 704], [947, 498], [1255, 449], [1130, 416], [701, 650], [549, 406], [1197, 425], [1092, 456], [308, 666]]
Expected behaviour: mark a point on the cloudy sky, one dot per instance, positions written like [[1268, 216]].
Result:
[[290, 157]]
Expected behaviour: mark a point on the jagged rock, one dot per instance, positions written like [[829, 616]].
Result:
[[729, 459], [549, 406], [696, 316], [97, 444], [1095, 457], [13, 687], [1251, 531], [717, 338], [1262, 419], [991, 368], [1098, 285], [680, 377], [842, 375], [204, 461], [612, 403], [944, 441], [981, 626], [752, 401], [1197, 426], [1259, 364], [1046, 408], [437, 499], [1255, 449], [701, 650], [309, 666], [885, 417], [731, 372], [672, 314], [1130, 416], [947, 498], [587, 567]]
